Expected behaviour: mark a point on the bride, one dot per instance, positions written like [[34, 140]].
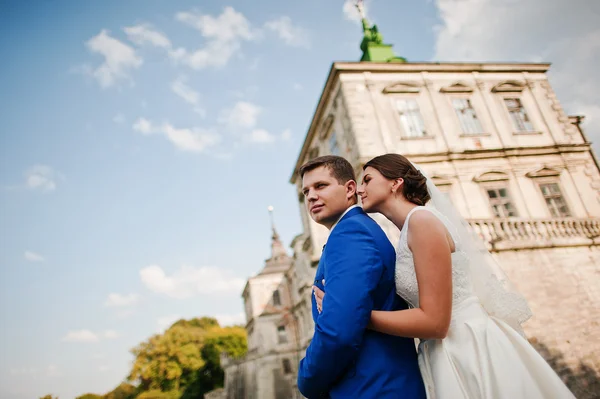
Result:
[[467, 320]]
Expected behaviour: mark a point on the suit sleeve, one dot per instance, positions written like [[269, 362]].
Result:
[[354, 268]]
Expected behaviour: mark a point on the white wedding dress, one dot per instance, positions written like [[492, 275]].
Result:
[[481, 357]]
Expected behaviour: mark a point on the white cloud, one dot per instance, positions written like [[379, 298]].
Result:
[[81, 336], [194, 140], [564, 33], [190, 281], [118, 300], [231, 319], [143, 126], [33, 257], [297, 86], [186, 139], [189, 95], [41, 177], [89, 336], [230, 25], [143, 34], [244, 114], [119, 59], [110, 334], [292, 35], [261, 136], [167, 321], [286, 135], [223, 35], [350, 11]]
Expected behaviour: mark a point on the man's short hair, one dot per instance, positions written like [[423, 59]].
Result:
[[339, 167]]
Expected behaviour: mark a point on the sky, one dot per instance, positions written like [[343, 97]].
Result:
[[142, 141]]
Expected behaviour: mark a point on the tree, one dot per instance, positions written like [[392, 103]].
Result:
[[186, 357], [49, 397], [231, 341]]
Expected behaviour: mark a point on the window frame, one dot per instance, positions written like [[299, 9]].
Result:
[[282, 336], [398, 117], [276, 294], [469, 98], [498, 185], [518, 97]]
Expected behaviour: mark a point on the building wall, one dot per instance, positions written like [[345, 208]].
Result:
[[561, 285], [556, 277], [553, 261]]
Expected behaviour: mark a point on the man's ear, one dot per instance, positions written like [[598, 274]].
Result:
[[350, 189]]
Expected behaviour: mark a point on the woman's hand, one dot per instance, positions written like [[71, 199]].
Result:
[[319, 295]]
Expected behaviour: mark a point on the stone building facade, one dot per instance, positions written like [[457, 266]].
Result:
[[495, 139]]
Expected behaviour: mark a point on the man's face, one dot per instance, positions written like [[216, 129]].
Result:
[[325, 198]]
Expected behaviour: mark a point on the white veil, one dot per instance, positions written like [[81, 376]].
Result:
[[495, 292]]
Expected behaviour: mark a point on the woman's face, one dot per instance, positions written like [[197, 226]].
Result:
[[375, 190]]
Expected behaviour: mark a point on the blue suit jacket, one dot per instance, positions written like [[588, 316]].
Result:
[[344, 359]]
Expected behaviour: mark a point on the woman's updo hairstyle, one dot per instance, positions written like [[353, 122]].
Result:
[[395, 166]]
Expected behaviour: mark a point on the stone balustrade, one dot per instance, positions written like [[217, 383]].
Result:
[[515, 233]]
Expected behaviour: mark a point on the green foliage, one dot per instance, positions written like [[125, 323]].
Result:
[[182, 363], [158, 394], [123, 391], [49, 397], [186, 358]]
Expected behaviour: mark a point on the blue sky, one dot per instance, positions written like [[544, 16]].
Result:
[[142, 141]]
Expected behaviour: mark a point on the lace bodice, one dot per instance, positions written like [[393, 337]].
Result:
[[406, 279]]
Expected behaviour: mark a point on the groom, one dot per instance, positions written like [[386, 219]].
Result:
[[344, 358]]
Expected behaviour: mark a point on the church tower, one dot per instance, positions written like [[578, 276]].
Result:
[[268, 370]]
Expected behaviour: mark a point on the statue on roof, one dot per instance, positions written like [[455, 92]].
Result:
[[372, 45], [371, 33]]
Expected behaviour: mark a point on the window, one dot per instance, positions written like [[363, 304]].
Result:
[[500, 202], [276, 298], [334, 147], [281, 335], [287, 366], [410, 117], [518, 116], [467, 116], [554, 200]]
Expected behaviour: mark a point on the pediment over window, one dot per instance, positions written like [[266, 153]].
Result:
[[441, 180], [509, 86], [326, 125], [457, 87], [491, 176], [544, 172], [402, 87]]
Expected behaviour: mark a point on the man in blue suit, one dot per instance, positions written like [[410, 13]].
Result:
[[345, 359]]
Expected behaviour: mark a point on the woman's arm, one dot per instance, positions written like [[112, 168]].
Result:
[[428, 241]]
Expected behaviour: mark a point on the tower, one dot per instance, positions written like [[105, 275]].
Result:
[[267, 371]]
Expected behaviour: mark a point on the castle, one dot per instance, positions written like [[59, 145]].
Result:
[[495, 139]]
